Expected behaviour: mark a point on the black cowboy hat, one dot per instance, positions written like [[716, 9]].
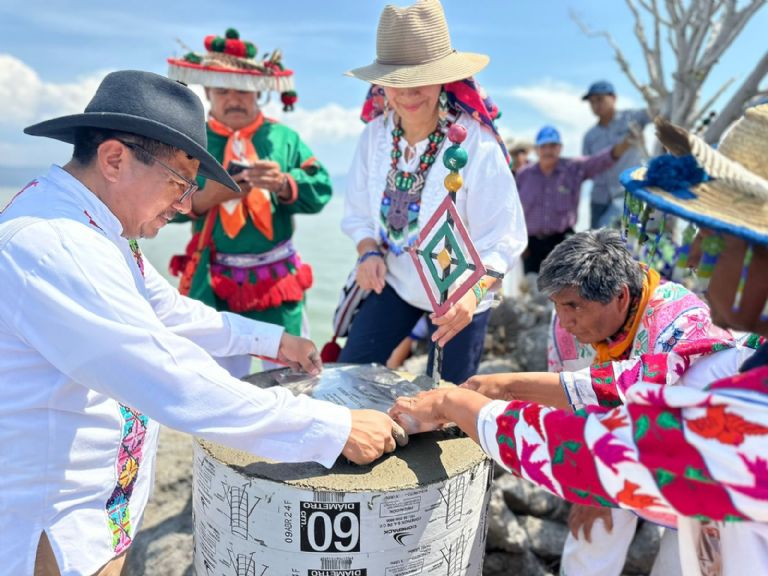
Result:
[[148, 105]]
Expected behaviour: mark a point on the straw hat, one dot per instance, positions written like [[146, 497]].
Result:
[[515, 144], [413, 48], [232, 63], [735, 198]]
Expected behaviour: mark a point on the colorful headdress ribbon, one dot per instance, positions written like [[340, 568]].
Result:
[[463, 95]]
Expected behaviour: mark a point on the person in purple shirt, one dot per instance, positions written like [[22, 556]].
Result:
[[550, 189]]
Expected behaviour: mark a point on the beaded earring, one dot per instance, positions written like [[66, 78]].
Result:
[[683, 252], [635, 207], [442, 108], [764, 313], [653, 245], [743, 278], [711, 248]]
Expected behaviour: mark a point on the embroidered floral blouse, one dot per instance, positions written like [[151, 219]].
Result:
[[673, 317], [696, 450]]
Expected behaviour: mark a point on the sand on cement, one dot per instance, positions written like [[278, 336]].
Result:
[[427, 459]]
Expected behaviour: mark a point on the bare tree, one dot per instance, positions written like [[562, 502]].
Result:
[[692, 34]]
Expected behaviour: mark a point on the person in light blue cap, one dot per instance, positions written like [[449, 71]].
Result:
[[612, 127], [550, 189]]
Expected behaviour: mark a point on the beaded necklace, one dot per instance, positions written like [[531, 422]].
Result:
[[136, 251], [401, 201]]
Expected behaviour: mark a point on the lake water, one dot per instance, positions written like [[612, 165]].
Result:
[[320, 242]]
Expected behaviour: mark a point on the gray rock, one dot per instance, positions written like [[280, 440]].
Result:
[[501, 564], [523, 497], [416, 364], [497, 365], [531, 346], [643, 550], [547, 537], [504, 531]]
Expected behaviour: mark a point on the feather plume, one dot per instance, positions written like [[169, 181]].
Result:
[[674, 138]]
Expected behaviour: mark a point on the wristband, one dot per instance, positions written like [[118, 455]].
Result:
[[368, 254], [480, 289]]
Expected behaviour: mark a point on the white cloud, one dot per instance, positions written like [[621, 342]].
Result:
[[552, 102], [331, 130], [25, 98]]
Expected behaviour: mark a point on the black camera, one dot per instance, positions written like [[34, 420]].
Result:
[[235, 167]]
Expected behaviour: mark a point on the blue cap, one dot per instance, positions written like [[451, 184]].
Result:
[[599, 87], [548, 135]]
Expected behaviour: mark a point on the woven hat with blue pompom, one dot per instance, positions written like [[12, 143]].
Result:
[[724, 189], [230, 62]]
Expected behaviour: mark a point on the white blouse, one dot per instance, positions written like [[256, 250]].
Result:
[[487, 202], [83, 337]]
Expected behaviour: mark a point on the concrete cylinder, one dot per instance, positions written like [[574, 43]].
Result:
[[419, 511]]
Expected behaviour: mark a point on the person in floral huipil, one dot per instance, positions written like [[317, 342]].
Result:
[[697, 449], [609, 310]]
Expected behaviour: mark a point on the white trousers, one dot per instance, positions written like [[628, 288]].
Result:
[[607, 553]]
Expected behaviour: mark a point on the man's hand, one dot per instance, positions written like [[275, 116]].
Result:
[[371, 273], [583, 517], [631, 140], [495, 386], [455, 320], [371, 436], [299, 353], [264, 174]]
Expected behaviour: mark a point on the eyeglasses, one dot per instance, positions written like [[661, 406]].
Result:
[[191, 187]]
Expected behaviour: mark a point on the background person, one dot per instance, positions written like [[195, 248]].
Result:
[[550, 190], [247, 262], [613, 126]]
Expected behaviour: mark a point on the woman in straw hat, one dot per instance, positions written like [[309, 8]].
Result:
[[697, 449], [421, 86]]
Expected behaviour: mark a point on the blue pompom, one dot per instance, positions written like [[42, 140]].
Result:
[[675, 174]]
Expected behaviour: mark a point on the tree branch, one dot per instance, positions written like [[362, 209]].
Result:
[[696, 116], [733, 109], [650, 98], [648, 52]]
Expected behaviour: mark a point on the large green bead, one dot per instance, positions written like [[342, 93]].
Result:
[[455, 158]]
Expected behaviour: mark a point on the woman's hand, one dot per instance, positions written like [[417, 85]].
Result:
[[420, 413], [495, 386], [455, 320], [371, 273]]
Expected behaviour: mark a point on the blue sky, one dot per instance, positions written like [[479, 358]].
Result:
[[53, 54]]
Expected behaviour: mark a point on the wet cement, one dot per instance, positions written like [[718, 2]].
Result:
[[427, 459]]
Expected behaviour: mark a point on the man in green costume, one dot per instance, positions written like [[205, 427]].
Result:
[[241, 258]]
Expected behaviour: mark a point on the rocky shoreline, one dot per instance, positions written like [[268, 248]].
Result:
[[526, 525]]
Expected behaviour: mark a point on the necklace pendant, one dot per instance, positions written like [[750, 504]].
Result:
[[404, 181]]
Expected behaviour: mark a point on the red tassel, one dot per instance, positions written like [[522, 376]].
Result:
[[330, 352], [264, 294]]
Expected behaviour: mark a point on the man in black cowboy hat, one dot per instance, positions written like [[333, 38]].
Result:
[[96, 348]]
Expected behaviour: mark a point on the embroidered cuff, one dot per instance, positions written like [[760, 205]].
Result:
[[487, 429], [578, 389]]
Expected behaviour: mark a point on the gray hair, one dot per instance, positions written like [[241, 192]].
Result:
[[597, 262]]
